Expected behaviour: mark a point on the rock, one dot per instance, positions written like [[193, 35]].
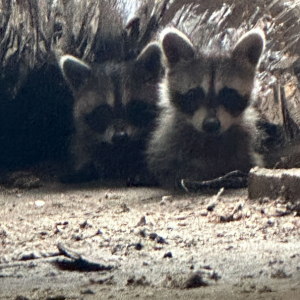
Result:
[[284, 183], [29, 256], [86, 224], [39, 203], [167, 198], [138, 246], [271, 221], [195, 280], [88, 291], [203, 213], [142, 221], [168, 254]]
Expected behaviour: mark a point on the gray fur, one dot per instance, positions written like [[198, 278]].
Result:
[[182, 147], [110, 135]]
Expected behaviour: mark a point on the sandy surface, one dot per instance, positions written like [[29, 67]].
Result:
[[145, 245]]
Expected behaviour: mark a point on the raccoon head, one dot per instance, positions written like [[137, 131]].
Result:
[[115, 102], [210, 90]]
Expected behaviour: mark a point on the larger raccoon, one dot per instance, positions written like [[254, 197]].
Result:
[[114, 111], [207, 124]]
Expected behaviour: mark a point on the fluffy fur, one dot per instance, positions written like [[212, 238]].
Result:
[[114, 111], [206, 127]]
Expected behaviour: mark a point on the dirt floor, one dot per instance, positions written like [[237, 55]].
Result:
[[60, 242]]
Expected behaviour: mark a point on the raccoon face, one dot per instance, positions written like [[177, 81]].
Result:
[[210, 90], [115, 103]]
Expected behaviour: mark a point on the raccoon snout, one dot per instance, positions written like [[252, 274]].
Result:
[[211, 125], [119, 138]]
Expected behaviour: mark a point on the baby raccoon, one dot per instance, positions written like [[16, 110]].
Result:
[[206, 127], [114, 110]]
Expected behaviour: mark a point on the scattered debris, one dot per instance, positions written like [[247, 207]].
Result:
[[234, 216], [195, 280], [215, 276], [138, 282], [211, 206], [232, 180], [280, 274], [124, 208], [77, 262], [142, 221], [157, 238], [85, 224]]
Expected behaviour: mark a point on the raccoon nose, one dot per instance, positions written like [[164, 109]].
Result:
[[211, 125], [119, 138]]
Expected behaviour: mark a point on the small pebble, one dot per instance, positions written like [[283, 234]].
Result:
[[168, 254], [167, 198], [271, 221], [39, 203], [88, 291], [142, 221], [203, 213], [86, 224], [60, 297], [211, 207], [138, 246], [29, 255], [152, 236]]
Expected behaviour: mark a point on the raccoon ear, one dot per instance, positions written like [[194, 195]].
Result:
[[149, 61], [250, 47], [74, 70], [176, 46]]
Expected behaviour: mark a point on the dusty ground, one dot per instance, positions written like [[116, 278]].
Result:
[[185, 246]]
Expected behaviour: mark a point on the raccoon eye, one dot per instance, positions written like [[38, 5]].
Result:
[[140, 113], [193, 94], [99, 118], [232, 100], [190, 101]]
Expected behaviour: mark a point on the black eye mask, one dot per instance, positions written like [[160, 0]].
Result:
[[232, 101], [190, 101], [99, 118]]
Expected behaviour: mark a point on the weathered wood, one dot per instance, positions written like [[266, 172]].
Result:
[[273, 184]]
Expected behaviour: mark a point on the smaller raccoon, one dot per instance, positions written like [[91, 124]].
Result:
[[207, 125], [115, 105]]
